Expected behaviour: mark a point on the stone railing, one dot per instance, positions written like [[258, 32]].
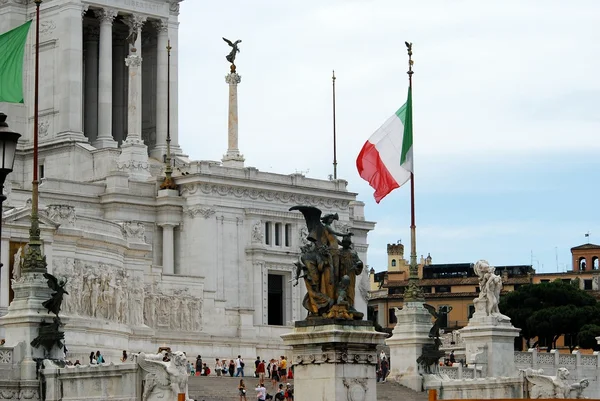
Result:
[[10, 359], [459, 372]]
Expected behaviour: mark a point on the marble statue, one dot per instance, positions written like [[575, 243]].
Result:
[[164, 379], [234, 50], [490, 285], [324, 266], [18, 263], [553, 386]]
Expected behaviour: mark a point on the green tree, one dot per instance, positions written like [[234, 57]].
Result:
[[549, 310], [587, 336]]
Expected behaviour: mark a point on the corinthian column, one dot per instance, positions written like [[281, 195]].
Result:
[[233, 157], [162, 78], [105, 138]]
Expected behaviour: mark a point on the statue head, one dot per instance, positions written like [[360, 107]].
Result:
[[329, 218], [347, 241], [563, 373]]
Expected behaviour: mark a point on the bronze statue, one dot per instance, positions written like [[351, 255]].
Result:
[[431, 353], [49, 335], [54, 303], [234, 50], [329, 272]]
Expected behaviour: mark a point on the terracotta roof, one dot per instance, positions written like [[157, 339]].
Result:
[[586, 246], [432, 282]]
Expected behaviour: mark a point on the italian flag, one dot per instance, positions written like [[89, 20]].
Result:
[[386, 159]]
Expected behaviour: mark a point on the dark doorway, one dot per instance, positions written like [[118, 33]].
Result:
[[275, 300]]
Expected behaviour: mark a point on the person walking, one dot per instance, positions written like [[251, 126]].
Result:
[[239, 365], [231, 368], [242, 390]]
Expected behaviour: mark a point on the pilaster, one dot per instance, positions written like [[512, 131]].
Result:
[[162, 84], [92, 35], [169, 216]]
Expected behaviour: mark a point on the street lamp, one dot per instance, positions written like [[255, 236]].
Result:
[[8, 148]]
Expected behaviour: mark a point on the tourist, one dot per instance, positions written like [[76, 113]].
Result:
[[231, 367], [269, 369], [289, 392], [261, 392], [256, 362], [191, 368], [239, 365], [77, 363], [218, 367], [242, 390], [283, 368], [92, 358], [124, 357], [452, 358], [280, 394], [99, 358], [260, 370], [274, 373], [384, 369], [198, 365], [2, 342]]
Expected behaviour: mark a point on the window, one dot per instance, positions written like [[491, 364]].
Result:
[[275, 301], [470, 311], [41, 171], [442, 288], [277, 234], [595, 263], [268, 233], [587, 285], [544, 281], [393, 262], [288, 235], [582, 264], [393, 318]]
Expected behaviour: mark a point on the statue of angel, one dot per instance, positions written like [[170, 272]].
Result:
[[18, 263], [54, 303], [234, 50], [553, 386], [166, 375]]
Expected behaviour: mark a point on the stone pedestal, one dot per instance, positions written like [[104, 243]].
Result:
[[490, 343], [21, 323], [334, 360], [406, 344]]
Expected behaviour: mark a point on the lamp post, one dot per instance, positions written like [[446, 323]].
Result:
[[8, 148]]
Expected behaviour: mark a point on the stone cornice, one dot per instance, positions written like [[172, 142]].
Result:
[[264, 195], [290, 216]]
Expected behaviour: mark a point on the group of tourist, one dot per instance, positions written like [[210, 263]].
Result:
[[276, 369], [221, 367], [282, 393]]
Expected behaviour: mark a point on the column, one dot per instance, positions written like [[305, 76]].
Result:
[[91, 83], [4, 273], [105, 138], [233, 157], [134, 62], [162, 78], [167, 249]]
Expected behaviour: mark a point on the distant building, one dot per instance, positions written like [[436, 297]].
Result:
[[452, 287]]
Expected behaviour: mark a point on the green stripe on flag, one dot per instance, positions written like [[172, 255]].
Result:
[[12, 49], [407, 138]]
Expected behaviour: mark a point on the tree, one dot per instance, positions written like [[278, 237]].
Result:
[[549, 310], [587, 337]]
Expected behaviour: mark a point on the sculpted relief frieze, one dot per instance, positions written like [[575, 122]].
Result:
[[134, 231], [62, 214], [142, 6], [205, 212], [265, 195], [101, 291]]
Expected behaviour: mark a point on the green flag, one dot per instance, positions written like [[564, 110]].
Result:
[[12, 48]]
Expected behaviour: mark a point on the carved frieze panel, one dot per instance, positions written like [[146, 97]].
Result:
[[134, 231], [62, 214], [205, 212]]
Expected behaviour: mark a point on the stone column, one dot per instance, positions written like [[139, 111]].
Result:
[[134, 154], [162, 78], [168, 261], [105, 138], [233, 157], [4, 273], [91, 83]]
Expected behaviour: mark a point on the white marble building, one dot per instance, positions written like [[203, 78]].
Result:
[[206, 268]]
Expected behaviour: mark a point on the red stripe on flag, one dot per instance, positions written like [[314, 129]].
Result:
[[371, 168]]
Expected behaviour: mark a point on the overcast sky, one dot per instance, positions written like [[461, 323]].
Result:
[[506, 101]]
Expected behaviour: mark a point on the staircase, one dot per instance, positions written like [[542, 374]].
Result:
[[214, 388]]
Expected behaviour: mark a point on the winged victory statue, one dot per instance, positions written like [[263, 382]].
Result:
[[166, 375]]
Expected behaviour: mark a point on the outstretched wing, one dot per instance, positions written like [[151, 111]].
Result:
[[312, 215], [157, 368], [228, 42], [431, 309], [237, 41], [52, 281]]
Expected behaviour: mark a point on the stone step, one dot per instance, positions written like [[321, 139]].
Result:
[[212, 388]]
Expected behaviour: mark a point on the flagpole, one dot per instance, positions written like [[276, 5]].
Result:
[[334, 138], [168, 182], [413, 292]]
